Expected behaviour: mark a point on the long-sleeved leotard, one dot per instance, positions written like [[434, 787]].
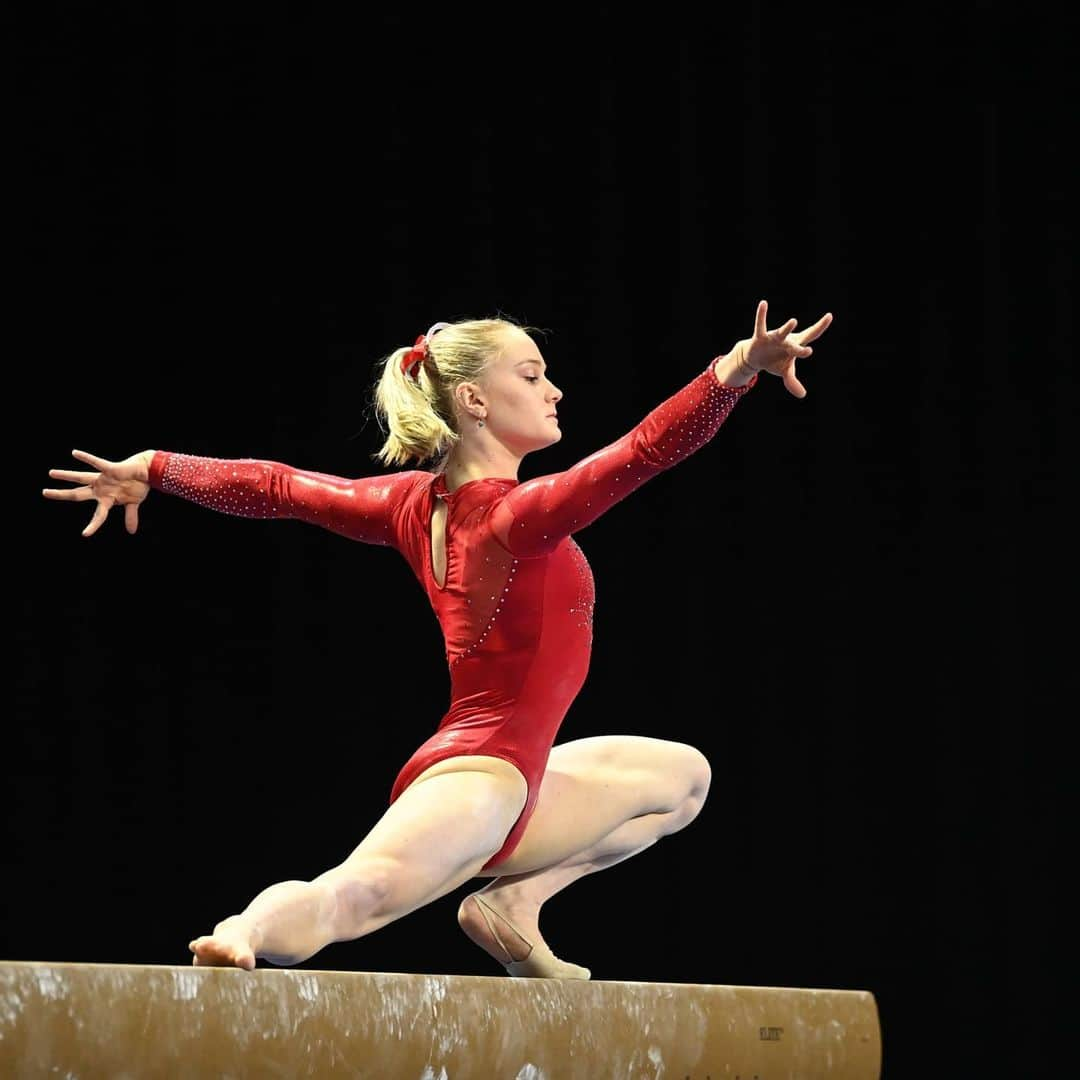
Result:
[[516, 601]]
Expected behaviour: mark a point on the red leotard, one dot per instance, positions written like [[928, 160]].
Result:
[[517, 599]]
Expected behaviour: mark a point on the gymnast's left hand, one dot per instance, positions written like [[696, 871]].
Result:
[[775, 351]]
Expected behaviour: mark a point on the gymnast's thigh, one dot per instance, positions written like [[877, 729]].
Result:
[[500, 768], [460, 800], [592, 786]]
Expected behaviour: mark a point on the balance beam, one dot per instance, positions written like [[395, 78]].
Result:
[[133, 1020]]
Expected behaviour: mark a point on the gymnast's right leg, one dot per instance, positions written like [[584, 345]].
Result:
[[437, 835]]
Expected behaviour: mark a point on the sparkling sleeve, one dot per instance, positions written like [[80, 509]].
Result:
[[535, 516], [364, 509]]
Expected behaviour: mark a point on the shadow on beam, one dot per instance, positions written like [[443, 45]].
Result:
[[130, 1020]]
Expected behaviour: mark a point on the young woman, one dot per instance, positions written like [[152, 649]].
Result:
[[489, 795]]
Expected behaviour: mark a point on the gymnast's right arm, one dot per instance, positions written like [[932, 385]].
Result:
[[361, 509]]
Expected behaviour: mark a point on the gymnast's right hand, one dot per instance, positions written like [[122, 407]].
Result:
[[116, 483]]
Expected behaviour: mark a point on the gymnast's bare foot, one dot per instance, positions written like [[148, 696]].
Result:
[[230, 945], [510, 933]]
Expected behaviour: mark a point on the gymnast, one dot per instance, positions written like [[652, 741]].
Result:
[[489, 794]]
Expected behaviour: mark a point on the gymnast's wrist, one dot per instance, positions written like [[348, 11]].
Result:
[[731, 369]]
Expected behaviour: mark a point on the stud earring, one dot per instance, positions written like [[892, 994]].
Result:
[[480, 422]]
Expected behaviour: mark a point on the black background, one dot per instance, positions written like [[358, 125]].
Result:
[[849, 602]]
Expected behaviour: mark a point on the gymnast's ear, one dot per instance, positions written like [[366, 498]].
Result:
[[469, 396]]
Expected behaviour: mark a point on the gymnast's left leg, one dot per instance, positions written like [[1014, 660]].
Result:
[[601, 800]]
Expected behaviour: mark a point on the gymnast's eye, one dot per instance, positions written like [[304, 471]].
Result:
[[533, 378]]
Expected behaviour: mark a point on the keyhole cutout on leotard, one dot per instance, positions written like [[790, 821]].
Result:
[[438, 543]]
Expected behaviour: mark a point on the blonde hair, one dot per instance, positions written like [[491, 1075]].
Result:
[[418, 414]]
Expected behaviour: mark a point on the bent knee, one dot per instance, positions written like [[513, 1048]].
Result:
[[690, 806], [697, 772]]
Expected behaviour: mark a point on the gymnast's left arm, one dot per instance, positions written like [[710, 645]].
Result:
[[535, 516]]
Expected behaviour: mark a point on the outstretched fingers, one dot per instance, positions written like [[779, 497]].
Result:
[[98, 463], [791, 382], [100, 514], [811, 333], [760, 329], [79, 494], [74, 476], [779, 349]]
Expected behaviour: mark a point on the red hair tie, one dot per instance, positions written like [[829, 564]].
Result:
[[418, 353]]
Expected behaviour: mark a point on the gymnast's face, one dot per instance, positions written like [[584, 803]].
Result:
[[518, 399]]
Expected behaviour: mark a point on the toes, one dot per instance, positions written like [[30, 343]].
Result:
[[209, 953]]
